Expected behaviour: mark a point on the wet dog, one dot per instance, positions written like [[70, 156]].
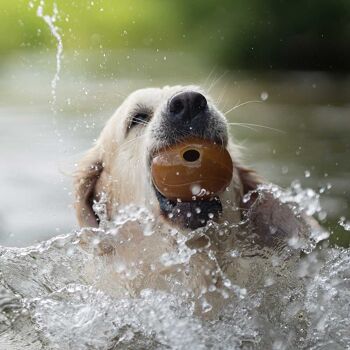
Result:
[[117, 170], [119, 163]]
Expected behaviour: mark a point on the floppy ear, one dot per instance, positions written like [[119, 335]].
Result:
[[86, 177], [249, 178], [273, 221]]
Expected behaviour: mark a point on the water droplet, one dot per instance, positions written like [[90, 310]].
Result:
[[264, 96], [206, 307], [322, 215], [345, 224], [269, 281], [195, 189]]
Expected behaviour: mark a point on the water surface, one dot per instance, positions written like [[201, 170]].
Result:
[[296, 136], [311, 112]]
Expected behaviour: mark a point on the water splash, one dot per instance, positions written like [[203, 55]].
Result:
[[304, 199], [61, 295], [345, 224], [50, 20]]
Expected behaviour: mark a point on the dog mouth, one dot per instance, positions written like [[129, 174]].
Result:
[[187, 178], [189, 214]]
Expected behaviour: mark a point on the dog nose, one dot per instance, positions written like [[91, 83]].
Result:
[[186, 105]]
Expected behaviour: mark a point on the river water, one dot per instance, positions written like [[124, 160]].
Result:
[[47, 300]]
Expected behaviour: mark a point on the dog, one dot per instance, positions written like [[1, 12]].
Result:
[[117, 170]]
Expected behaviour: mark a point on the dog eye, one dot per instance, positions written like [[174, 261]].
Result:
[[139, 119]]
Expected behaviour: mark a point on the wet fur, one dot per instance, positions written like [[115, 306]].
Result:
[[118, 165]]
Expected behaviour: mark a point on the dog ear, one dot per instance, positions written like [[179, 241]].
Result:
[[249, 178], [279, 224], [265, 213], [86, 177], [274, 222]]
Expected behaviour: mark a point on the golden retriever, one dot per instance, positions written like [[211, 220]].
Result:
[[116, 170]]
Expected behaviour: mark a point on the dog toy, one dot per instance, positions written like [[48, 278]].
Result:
[[195, 169]]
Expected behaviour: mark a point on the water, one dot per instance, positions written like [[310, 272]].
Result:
[[60, 295], [55, 31], [67, 293]]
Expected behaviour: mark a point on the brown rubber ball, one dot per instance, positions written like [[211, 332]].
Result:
[[193, 170]]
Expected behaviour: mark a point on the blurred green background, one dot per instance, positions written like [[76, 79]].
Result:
[[294, 56], [249, 34]]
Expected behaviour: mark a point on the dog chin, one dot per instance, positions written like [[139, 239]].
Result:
[[191, 215]]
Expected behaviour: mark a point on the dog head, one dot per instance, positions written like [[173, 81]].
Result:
[[120, 161]]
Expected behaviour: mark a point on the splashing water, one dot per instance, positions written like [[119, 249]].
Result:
[[50, 20], [345, 224], [93, 290]]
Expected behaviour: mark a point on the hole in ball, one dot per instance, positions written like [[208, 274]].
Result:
[[191, 155]]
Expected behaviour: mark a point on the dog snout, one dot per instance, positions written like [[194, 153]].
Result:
[[185, 106]]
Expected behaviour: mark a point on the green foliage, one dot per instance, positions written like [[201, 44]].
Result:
[[302, 34]]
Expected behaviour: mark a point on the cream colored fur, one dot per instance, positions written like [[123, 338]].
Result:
[[117, 166]]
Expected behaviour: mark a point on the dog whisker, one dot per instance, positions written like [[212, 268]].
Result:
[[217, 80], [223, 93], [244, 126], [209, 76], [250, 126], [133, 140], [140, 121], [242, 104]]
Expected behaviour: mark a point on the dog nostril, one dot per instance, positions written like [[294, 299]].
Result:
[[191, 155], [200, 102], [177, 106], [187, 105]]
